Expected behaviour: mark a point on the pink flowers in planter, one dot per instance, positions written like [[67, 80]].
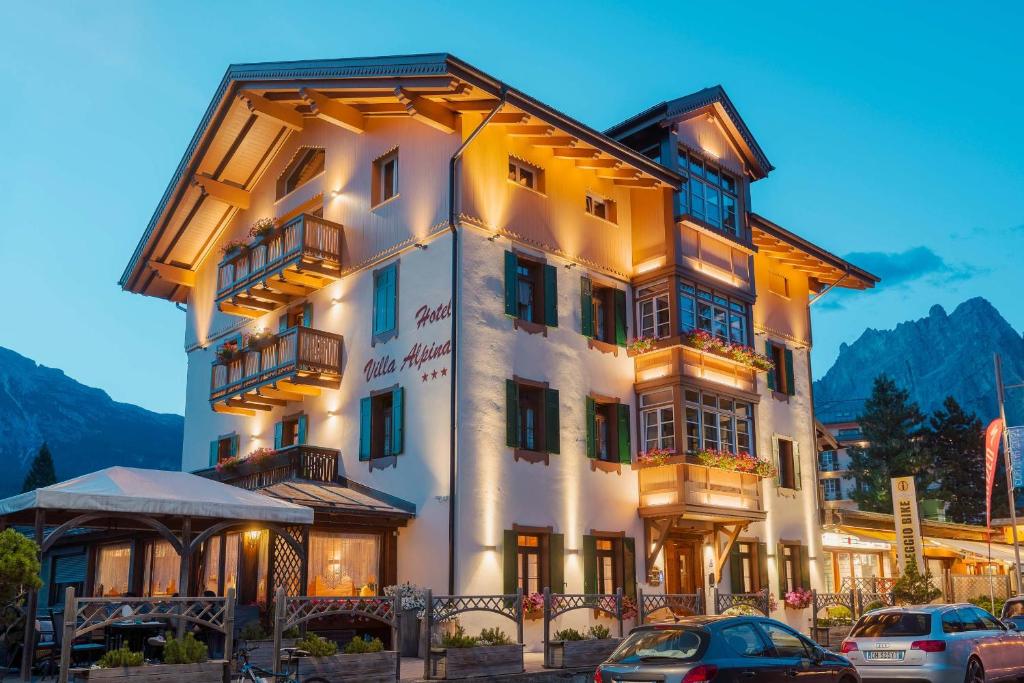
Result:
[[745, 355], [736, 462], [260, 455], [640, 345], [655, 456], [798, 598], [533, 606], [229, 464]]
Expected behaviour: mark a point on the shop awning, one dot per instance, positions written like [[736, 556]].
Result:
[[342, 497], [1000, 552], [137, 491]]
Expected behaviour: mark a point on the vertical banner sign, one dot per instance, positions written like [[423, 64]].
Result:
[[1015, 439], [993, 433], [908, 525]]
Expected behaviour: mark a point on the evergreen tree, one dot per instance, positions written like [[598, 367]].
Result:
[[955, 443], [891, 425], [913, 587], [41, 472]]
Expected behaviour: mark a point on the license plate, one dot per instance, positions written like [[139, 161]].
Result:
[[884, 654]]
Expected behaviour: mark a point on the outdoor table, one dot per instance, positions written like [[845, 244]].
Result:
[[136, 633]]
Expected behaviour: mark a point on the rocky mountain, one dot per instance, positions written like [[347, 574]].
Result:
[[85, 429], [933, 357]]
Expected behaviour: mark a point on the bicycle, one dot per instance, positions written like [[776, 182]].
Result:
[[256, 674]]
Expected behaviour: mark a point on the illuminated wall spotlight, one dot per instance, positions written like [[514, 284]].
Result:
[[420, 245]]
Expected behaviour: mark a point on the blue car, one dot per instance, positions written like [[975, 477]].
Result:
[[722, 649]]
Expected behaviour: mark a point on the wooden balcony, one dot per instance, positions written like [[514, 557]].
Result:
[[285, 367], [672, 359], [299, 257], [691, 491], [311, 463]]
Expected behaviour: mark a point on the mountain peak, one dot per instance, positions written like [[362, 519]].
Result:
[[937, 311]]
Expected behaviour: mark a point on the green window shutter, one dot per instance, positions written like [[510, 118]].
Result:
[[510, 568], [762, 566], [625, 448], [620, 317], [790, 384], [234, 445], [282, 323], [397, 420], [780, 564], [796, 466], [805, 567], [629, 567], [586, 306], [777, 461], [556, 563], [214, 452], [278, 434], [591, 416], [735, 569], [510, 283], [552, 437], [589, 565], [551, 295], [770, 374], [302, 428], [365, 423], [511, 414], [307, 315]]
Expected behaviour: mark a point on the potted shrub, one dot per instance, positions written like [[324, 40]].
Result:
[[412, 602], [492, 653], [364, 659], [185, 659], [571, 649]]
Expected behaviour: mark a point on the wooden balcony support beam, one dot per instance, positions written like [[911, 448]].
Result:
[[231, 410], [292, 387], [271, 392], [245, 300], [242, 403], [295, 277], [229, 194], [575, 153], [333, 111], [316, 381], [176, 274], [264, 108], [258, 398], [280, 285], [233, 309], [269, 295], [435, 115]]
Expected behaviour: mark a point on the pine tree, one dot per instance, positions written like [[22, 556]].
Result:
[[41, 472], [891, 425], [913, 587], [955, 444]]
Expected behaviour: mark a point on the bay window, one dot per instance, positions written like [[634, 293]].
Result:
[[702, 309], [717, 422], [708, 193], [652, 311], [657, 420]]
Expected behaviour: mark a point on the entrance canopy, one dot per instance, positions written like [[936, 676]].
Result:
[[131, 490]]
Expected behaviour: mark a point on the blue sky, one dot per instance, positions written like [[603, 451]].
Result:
[[895, 132]]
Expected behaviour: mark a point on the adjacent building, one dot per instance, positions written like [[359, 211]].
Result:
[[492, 347]]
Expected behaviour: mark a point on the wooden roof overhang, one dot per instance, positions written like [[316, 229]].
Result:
[[258, 106], [824, 269]]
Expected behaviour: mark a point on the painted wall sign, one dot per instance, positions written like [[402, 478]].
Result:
[[908, 524], [426, 315], [421, 352]]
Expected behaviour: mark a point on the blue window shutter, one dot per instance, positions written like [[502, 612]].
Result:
[[391, 294], [511, 262], [234, 445], [282, 323], [278, 435], [214, 452], [378, 302], [397, 419], [302, 428], [586, 307], [620, 317], [307, 315], [551, 295], [551, 426], [364, 428]]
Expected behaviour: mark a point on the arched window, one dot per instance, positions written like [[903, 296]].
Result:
[[306, 165]]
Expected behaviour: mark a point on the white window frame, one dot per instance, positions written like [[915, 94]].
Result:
[[655, 315], [656, 412]]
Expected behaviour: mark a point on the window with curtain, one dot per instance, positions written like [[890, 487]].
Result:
[[113, 563], [211, 565], [342, 564], [231, 561], [160, 574]]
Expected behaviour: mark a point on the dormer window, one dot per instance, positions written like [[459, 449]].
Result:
[[708, 193], [306, 165]]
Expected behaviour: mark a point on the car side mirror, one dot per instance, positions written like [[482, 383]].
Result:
[[818, 654], [1011, 626]]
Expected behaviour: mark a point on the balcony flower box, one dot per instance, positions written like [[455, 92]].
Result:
[[365, 667], [213, 671], [738, 353], [451, 663], [580, 654]]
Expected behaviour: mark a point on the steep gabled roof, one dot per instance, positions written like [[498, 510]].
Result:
[[708, 99]]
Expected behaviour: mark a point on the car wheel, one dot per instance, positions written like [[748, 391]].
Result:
[[975, 672]]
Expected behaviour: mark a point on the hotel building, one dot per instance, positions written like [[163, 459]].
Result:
[[412, 292]]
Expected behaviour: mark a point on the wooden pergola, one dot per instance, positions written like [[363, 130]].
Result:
[[181, 508]]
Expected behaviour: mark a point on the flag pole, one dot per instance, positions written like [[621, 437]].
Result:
[[1008, 466]]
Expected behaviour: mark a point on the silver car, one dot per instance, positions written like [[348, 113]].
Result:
[[935, 643]]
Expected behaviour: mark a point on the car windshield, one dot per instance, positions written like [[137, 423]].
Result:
[[893, 625], [679, 644]]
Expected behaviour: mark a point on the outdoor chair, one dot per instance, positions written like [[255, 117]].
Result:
[[79, 650]]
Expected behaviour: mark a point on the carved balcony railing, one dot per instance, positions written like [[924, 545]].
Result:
[[682, 487], [295, 259], [280, 368], [291, 462]]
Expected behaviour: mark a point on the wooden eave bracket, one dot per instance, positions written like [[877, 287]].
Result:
[[262, 107], [176, 274], [340, 114], [229, 194], [435, 115]]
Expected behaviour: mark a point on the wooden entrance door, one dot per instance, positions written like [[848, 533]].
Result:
[[681, 567]]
